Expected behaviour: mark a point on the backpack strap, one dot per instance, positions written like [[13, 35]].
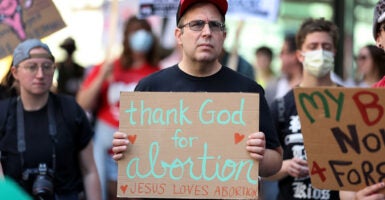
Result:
[[4, 107]]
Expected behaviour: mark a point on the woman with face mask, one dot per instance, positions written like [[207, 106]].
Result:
[[101, 89]]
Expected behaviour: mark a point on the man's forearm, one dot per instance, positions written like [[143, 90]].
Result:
[[282, 173], [271, 162]]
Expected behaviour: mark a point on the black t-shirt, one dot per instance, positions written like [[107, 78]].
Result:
[[73, 135], [285, 115], [173, 79]]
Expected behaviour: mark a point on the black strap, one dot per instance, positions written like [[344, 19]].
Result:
[[20, 126], [4, 107], [21, 132]]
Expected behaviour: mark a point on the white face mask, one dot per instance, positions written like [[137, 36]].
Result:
[[141, 41], [319, 62]]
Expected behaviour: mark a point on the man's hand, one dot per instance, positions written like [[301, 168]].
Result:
[[256, 145], [119, 145], [296, 167]]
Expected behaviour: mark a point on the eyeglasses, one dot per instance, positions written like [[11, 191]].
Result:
[[198, 25], [47, 67]]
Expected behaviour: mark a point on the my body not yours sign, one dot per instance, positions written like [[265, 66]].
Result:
[[344, 136], [188, 145]]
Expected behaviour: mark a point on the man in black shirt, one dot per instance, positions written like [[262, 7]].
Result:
[[201, 32]]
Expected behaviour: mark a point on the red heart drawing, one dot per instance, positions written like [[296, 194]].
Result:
[[123, 188], [238, 137], [132, 138]]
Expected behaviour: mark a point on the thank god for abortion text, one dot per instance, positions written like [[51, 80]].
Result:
[[188, 145]]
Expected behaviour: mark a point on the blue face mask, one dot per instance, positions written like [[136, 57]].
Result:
[[141, 41]]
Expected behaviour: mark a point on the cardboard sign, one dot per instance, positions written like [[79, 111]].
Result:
[[163, 8], [26, 19], [261, 9], [188, 145], [266, 10], [344, 136]]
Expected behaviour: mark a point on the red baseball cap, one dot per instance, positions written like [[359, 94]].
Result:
[[184, 5]]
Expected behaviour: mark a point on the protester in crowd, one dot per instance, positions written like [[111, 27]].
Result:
[[316, 41], [265, 75], [201, 32], [241, 65], [291, 70], [375, 191], [70, 73], [232, 59], [291, 75], [45, 139], [101, 91], [263, 68], [370, 66]]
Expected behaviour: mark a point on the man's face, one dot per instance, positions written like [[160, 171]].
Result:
[[364, 61], [380, 39], [288, 59], [263, 61], [316, 41], [204, 45]]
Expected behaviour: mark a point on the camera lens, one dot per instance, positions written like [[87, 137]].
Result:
[[42, 187]]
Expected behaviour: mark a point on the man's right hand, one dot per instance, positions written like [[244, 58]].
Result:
[[119, 145]]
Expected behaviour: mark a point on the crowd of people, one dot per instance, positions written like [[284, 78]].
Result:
[[62, 141]]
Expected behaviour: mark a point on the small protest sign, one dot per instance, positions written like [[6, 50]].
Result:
[[344, 136], [188, 145], [163, 8], [26, 19], [267, 10]]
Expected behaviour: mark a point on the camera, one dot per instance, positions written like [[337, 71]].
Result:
[[42, 185]]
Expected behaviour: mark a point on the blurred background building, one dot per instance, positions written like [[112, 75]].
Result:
[[88, 22]]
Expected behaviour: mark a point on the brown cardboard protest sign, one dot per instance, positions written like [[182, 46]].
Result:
[[344, 136], [188, 145], [26, 19]]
